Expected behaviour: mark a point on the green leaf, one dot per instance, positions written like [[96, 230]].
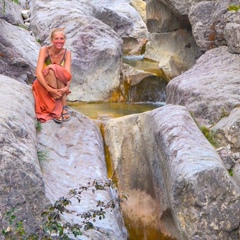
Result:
[[76, 232]]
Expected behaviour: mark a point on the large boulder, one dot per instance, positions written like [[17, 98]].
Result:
[[42, 163], [22, 186], [11, 12], [208, 90], [202, 23], [96, 47], [227, 131], [123, 18], [160, 18], [175, 180], [214, 25], [18, 52], [175, 51], [94, 31], [171, 42], [75, 157], [180, 8]]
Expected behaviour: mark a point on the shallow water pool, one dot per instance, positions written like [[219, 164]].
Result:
[[112, 110]]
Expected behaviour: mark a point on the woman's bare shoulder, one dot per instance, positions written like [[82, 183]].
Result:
[[68, 52], [44, 48]]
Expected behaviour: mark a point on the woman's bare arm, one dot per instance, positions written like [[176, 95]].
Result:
[[67, 66], [40, 64]]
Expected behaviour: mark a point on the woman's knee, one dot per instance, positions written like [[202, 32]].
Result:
[[51, 78], [60, 84]]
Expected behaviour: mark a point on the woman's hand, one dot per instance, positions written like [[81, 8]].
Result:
[[63, 91], [55, 93]]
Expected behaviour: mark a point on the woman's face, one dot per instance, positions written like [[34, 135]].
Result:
[[58, 40]]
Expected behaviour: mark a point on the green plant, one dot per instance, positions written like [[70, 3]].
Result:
[[42, 155], [52, 227], [224, 113], [23, 26], [38, 127], [13, 225], [233, 8], [210, 136], [3, 7], [230, 171], [4, 4]]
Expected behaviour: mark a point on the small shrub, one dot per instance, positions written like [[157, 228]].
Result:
[[13, 225], [51, 227], [42, 155], [233, 8], [230, 171], [224, 113], [209, 135], [38, 127], [23, 26]]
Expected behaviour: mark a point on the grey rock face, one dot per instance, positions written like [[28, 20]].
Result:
[[208, 89], [96, 47], [227, 130], [21, 182], [11, 12], [75, 157], [171, 42], [231, 31], [18, 58], [203, 26], [121, 17], [170, 165], [180, 7], [175, 51], [160, 18], [213, 25]]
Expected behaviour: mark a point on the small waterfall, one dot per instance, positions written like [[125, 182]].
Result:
[[152, 84]]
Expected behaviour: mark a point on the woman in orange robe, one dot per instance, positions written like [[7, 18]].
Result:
[[53, 73]]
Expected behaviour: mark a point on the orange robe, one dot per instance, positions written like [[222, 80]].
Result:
[[46, 106]]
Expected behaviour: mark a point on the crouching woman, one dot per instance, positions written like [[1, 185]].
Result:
[[53, 74]]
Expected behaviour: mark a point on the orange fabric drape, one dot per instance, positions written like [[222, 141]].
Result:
[[46, 106]]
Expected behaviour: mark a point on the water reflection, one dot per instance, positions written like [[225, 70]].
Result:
[[113, 110]]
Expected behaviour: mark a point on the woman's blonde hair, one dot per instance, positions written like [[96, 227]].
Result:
[[57, 30]]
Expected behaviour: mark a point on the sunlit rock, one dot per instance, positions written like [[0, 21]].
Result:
[[75, 157], [95, 31], [161, 159], [176, 51], [208, 90], [140, 6]]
